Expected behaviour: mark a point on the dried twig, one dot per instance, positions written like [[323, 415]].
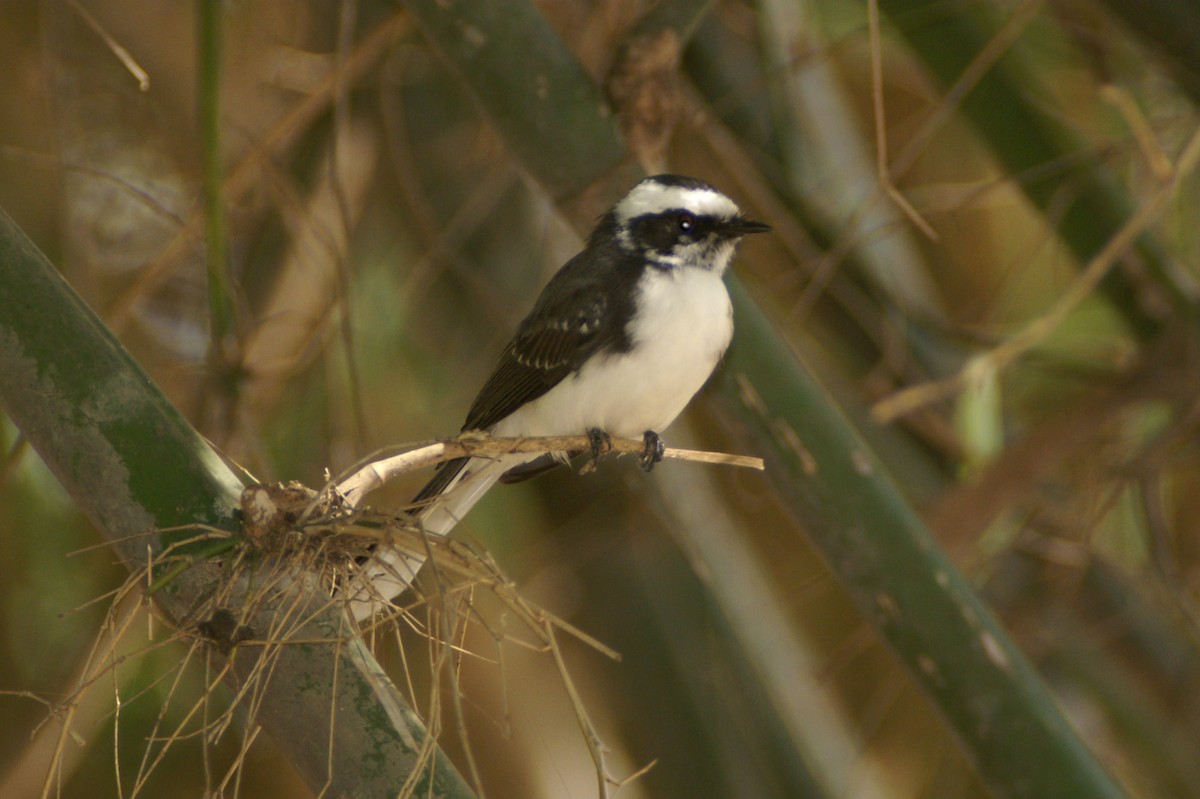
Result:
[[371, 476], [128, 61], [290, 531]]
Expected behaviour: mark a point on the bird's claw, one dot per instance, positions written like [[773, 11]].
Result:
[[600, 442], [652, 453]]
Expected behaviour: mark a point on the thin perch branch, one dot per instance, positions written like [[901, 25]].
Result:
[[480, 445]]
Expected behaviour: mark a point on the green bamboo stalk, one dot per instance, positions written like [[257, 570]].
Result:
[[776, 658], [552, 117], [135, 466], [220, 283], [898, 576]]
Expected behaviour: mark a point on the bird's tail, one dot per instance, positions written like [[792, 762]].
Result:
[[438, 507]]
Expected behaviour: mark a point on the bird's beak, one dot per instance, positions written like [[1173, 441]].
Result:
[[743, 226]]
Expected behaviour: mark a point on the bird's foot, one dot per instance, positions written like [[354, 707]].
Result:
[[653, 451], [600, 441]]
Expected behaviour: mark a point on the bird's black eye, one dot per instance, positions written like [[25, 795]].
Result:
[[686, 222]]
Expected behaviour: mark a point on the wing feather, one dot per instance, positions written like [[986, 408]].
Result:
[[584, 309], [553, 341]]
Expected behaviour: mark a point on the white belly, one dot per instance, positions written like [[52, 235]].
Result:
[[685, 323]]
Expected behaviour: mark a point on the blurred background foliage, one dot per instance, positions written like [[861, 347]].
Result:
[[389, 219]]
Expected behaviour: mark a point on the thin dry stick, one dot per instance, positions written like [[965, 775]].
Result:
[[1122, 100], [237, 768], [330, 751], [211, 729], [102, 657], [984, 60], [444, 611], [148, 763], [248, 172], [205, 722], [1006, 353], [453, 559], [433, 724], [120, 52], [447, 617], [595, 746], [373, 475], [881, 147], [745, 174]]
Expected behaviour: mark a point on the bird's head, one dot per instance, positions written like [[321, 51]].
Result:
[[678, 222]]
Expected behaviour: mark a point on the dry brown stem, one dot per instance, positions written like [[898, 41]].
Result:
[[374, 474]]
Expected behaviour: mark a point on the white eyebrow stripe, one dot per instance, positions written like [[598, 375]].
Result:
[[654, 198]]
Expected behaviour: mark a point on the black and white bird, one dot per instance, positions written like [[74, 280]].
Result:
[[620, 340]]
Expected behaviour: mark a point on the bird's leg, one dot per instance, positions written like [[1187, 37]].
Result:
[[653, 451], [600, 441]]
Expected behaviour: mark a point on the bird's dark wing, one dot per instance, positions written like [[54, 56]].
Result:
[[570, 322], [582, 310]]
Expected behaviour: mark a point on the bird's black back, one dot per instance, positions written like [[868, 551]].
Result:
[[584, 309]]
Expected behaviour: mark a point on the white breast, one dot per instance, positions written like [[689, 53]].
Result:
[[684, 324]]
